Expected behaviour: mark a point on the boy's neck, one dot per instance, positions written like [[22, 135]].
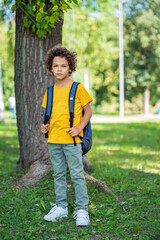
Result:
[[64, 82]]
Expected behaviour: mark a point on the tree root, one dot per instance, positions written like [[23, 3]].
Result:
[[87, 165], [101, 185], [36, 171], [39, 169]]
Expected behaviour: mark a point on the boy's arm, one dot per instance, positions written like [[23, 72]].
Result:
[[86, 117]]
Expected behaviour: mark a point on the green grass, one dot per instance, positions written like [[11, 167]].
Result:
[[9, 146], [125, 155]]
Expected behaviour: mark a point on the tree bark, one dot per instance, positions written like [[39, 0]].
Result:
[[31, 82]]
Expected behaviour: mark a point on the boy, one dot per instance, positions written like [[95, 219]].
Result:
[[62, 62]]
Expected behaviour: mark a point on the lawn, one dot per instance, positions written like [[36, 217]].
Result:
[[125, 155]]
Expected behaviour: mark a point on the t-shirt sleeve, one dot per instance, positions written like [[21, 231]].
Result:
[[44, 103], [83, 95]]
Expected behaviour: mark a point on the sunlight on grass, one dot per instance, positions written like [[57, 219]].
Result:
[[130, 145], [7, 133], [125, 157]]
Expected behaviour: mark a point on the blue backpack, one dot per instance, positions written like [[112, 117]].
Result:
[[87, 131]]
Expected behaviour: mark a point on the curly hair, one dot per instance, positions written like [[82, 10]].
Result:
[[59, 51]]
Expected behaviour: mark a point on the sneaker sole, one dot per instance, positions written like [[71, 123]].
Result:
[[82, 225], [56, 219]]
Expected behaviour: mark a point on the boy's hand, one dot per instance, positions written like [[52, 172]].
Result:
[[87, 115], [73, 131], [45, 128]]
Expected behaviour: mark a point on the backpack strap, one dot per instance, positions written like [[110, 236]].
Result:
[[48, 107], [72, 95]]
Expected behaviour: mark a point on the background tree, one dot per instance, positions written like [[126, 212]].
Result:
[[142, 49], [92, 30], [7, 44]]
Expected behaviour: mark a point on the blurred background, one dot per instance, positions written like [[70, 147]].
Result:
[[93, 30]]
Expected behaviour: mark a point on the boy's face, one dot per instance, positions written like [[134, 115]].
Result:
[[60, 68]]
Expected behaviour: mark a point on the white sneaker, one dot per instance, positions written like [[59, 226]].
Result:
[[82, 218], [55, 213]]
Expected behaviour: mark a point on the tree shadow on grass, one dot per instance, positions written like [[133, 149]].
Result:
[[126, 157], [9, 151], [139, 195]]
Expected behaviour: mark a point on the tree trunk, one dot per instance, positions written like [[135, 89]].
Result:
[[146, 100], [31, 81]]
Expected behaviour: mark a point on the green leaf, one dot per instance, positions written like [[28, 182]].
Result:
[[34, 28], [52, 25], [64, 7], [38, 25], [52, 19], [25, 21], [29, 10], [39, 34], [39, 17], [56, 15], [29, 23], [41, 10], [14, 8], [75, 1], [49, 29], [54, 8], [44, 33], [45, 26], [47, 19], [34, 8]]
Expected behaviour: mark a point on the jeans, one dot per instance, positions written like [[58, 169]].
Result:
[[60, 155]]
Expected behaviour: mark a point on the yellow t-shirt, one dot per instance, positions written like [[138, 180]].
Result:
[[59, 120]]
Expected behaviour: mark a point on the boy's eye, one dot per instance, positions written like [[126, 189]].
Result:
[[57, 65]]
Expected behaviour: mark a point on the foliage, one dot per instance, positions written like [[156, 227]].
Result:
[[142, 51], [92, 29], [128, 163], [7, 43], [93, 33], [41, 15]]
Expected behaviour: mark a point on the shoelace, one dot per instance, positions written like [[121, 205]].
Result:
[[80, 213], [53, 209]]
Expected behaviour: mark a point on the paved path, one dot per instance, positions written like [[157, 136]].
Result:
[[116, 119]]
